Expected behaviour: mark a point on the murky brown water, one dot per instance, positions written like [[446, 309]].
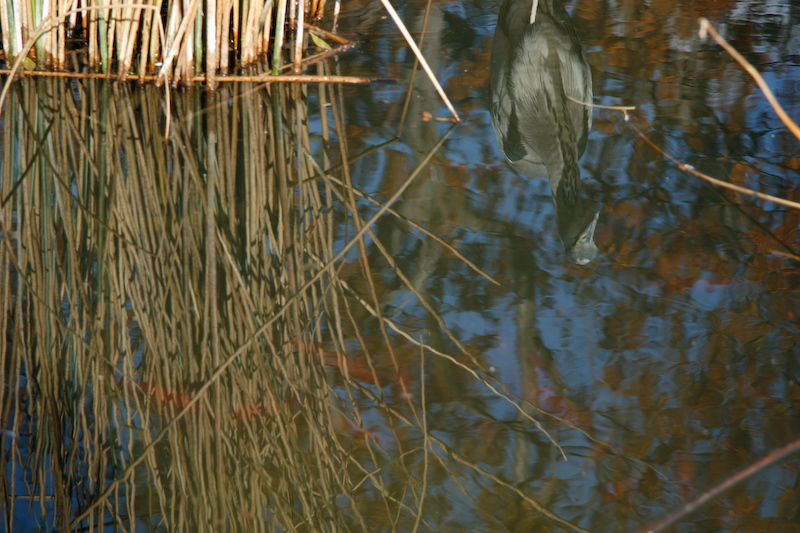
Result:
[[663, 365]]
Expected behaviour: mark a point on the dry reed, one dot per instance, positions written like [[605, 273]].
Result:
[[177, 42], [175, 39]]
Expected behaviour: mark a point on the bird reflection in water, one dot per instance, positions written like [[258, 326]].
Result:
[[538, 64]]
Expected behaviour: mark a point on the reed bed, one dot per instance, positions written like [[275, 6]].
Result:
[[176, 39], [180, 42], [194, 338]]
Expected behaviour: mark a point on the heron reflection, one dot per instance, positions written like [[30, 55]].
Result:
[[538, 64]]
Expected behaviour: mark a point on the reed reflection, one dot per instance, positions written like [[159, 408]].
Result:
[[538, 64], [218, 351], [191, 251]]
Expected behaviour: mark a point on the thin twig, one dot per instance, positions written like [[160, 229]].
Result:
[[425, 437], [419, 55], [457, 456], [691, 170], [505, 395], [319, 32], [413, 71], [264, 78], [598, 106], [316, 58], [755, 468], [405, 219], [706, 27]]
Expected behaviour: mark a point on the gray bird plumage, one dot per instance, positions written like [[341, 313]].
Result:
[[535, 68]]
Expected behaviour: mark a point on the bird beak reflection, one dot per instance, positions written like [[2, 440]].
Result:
[[584, 249]]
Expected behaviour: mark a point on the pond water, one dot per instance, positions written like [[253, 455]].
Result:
[[521, 391], [678, 344]]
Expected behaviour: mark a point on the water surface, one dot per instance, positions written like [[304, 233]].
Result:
[[558, 397]]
